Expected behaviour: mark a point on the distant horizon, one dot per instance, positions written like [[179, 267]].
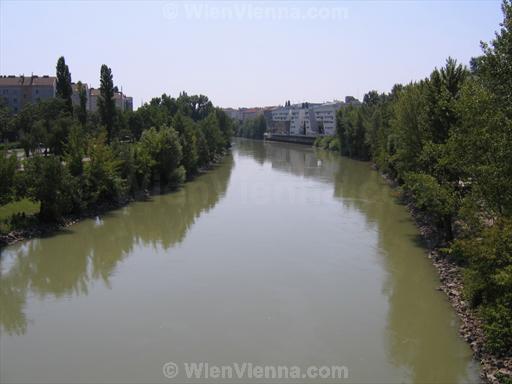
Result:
[[249, 54]]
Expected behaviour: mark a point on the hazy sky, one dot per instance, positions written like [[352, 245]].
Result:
[[244, 53]]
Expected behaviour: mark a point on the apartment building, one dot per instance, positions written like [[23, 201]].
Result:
[[306, 119], [75, 96], [17, 91], [325, 117], [122, 102]]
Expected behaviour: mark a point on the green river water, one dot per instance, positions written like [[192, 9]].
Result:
[[280, 255]]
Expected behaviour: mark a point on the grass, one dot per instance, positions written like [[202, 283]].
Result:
[[7, 146], [24, 207]]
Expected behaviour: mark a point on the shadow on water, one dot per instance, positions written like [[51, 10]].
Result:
[[60, 266]]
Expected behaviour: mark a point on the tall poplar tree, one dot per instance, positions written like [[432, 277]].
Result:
[[63, 86], [106, 103]]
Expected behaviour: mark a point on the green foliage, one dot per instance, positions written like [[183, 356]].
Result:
[[494, 66], [63, 86], [226, 126], [103, 183], [8, 167], [489, 280], [49, 184], [351, 131], [203, 151], [164, 150], [17, 214], [75, 151], [253, 128], [213, 135], [106, 103], [330, 143], [24, 206], [438, 200], [448, 141], [79, 161], [81, 112], [187, 132]]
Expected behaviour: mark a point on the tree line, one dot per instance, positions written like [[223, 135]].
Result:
[[77, 161], [254, 128], [447, 140]]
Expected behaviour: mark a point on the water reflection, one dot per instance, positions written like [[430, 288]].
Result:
[[421, 332], [67, 264], [262, 277], [422, 328]]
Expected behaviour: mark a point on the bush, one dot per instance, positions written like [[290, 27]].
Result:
[[330, 143], [488, 280], [434, 198], [334, 144], [103, 182], [49, 184], [163, 152]]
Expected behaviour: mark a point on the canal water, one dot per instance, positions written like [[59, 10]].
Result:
[[280, 256]]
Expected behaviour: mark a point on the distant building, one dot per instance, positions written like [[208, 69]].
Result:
[[75, 96], [235, 114], [306, 119], [122, 102], [128, 103], [325, 116], [17, 91], [250, 113], [243, 114]]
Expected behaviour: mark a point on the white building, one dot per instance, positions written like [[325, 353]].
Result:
[[325, 116], [305, 119]]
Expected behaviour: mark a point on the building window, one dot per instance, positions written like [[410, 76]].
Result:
[[37, 91]]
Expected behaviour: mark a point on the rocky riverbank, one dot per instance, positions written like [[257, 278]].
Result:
[[494, 369]]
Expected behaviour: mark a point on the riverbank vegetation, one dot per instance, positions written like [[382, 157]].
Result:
[[252, 128], [447, 141], [75, 161]]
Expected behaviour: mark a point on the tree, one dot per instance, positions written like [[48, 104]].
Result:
[[63, 86], [82, 108], [106, 104], [58, 134], [495, 66], [5, 121], [75, 151], [488, 280], [441, 92], [47, 184], [186, 130], [8, 167], [371, 98], [164, 149], [102, 175]]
